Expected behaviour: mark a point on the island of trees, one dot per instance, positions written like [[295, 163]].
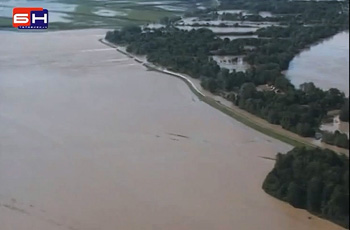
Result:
[[312, 179]]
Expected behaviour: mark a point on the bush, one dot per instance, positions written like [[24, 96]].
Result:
[[337, 138]]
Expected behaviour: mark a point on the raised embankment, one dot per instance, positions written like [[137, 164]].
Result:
[[236, 113]]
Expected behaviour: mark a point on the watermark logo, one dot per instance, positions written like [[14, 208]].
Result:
[[30, 18]]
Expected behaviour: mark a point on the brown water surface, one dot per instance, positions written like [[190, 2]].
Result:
[[91, 140]]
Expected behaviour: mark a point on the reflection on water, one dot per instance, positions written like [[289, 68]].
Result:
[[325, 64]]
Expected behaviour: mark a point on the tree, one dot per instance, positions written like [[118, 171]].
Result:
[[210, 84], [273, 117], [305, 130], [282, 83], [339, 203], [344, 112], [247, 90], [314, 194], [308, 87], [295, 195], [337, 138], [341, 140], [132, 29], [231, 97]]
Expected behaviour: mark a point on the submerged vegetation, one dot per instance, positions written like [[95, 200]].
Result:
[[298, 110], [68, 14], [312, 179]]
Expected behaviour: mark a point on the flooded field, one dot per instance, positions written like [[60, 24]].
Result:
[[325, 64], [67, 14], [60, 11], [243, 12], [238, 37], [222, 30], [336, 125], [263, 14], [227, 28], [232, 63], [193, 21], [92, 140]]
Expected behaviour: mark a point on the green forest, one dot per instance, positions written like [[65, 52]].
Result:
[[298, 110], [304, 23], [312, 179]]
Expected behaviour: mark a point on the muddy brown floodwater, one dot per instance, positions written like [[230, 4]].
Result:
[[91, 140]]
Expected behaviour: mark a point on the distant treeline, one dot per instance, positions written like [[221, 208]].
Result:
[[312, 179], [305, 12], [284, 11]]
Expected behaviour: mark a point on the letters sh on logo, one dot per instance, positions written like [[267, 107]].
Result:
[[30, 18]]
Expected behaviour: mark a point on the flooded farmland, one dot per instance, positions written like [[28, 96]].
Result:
[[222, 30], [329, 58], [232, 63], [92, 140], [238, 37], [67, 14]]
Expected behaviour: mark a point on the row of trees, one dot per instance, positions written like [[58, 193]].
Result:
[[337, 138], [313, 179]]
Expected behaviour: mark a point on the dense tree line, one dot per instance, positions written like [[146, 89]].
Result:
[[312, 179], [310, 12], [181, 51], [298, 110], [337, 138], [284, 11]]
